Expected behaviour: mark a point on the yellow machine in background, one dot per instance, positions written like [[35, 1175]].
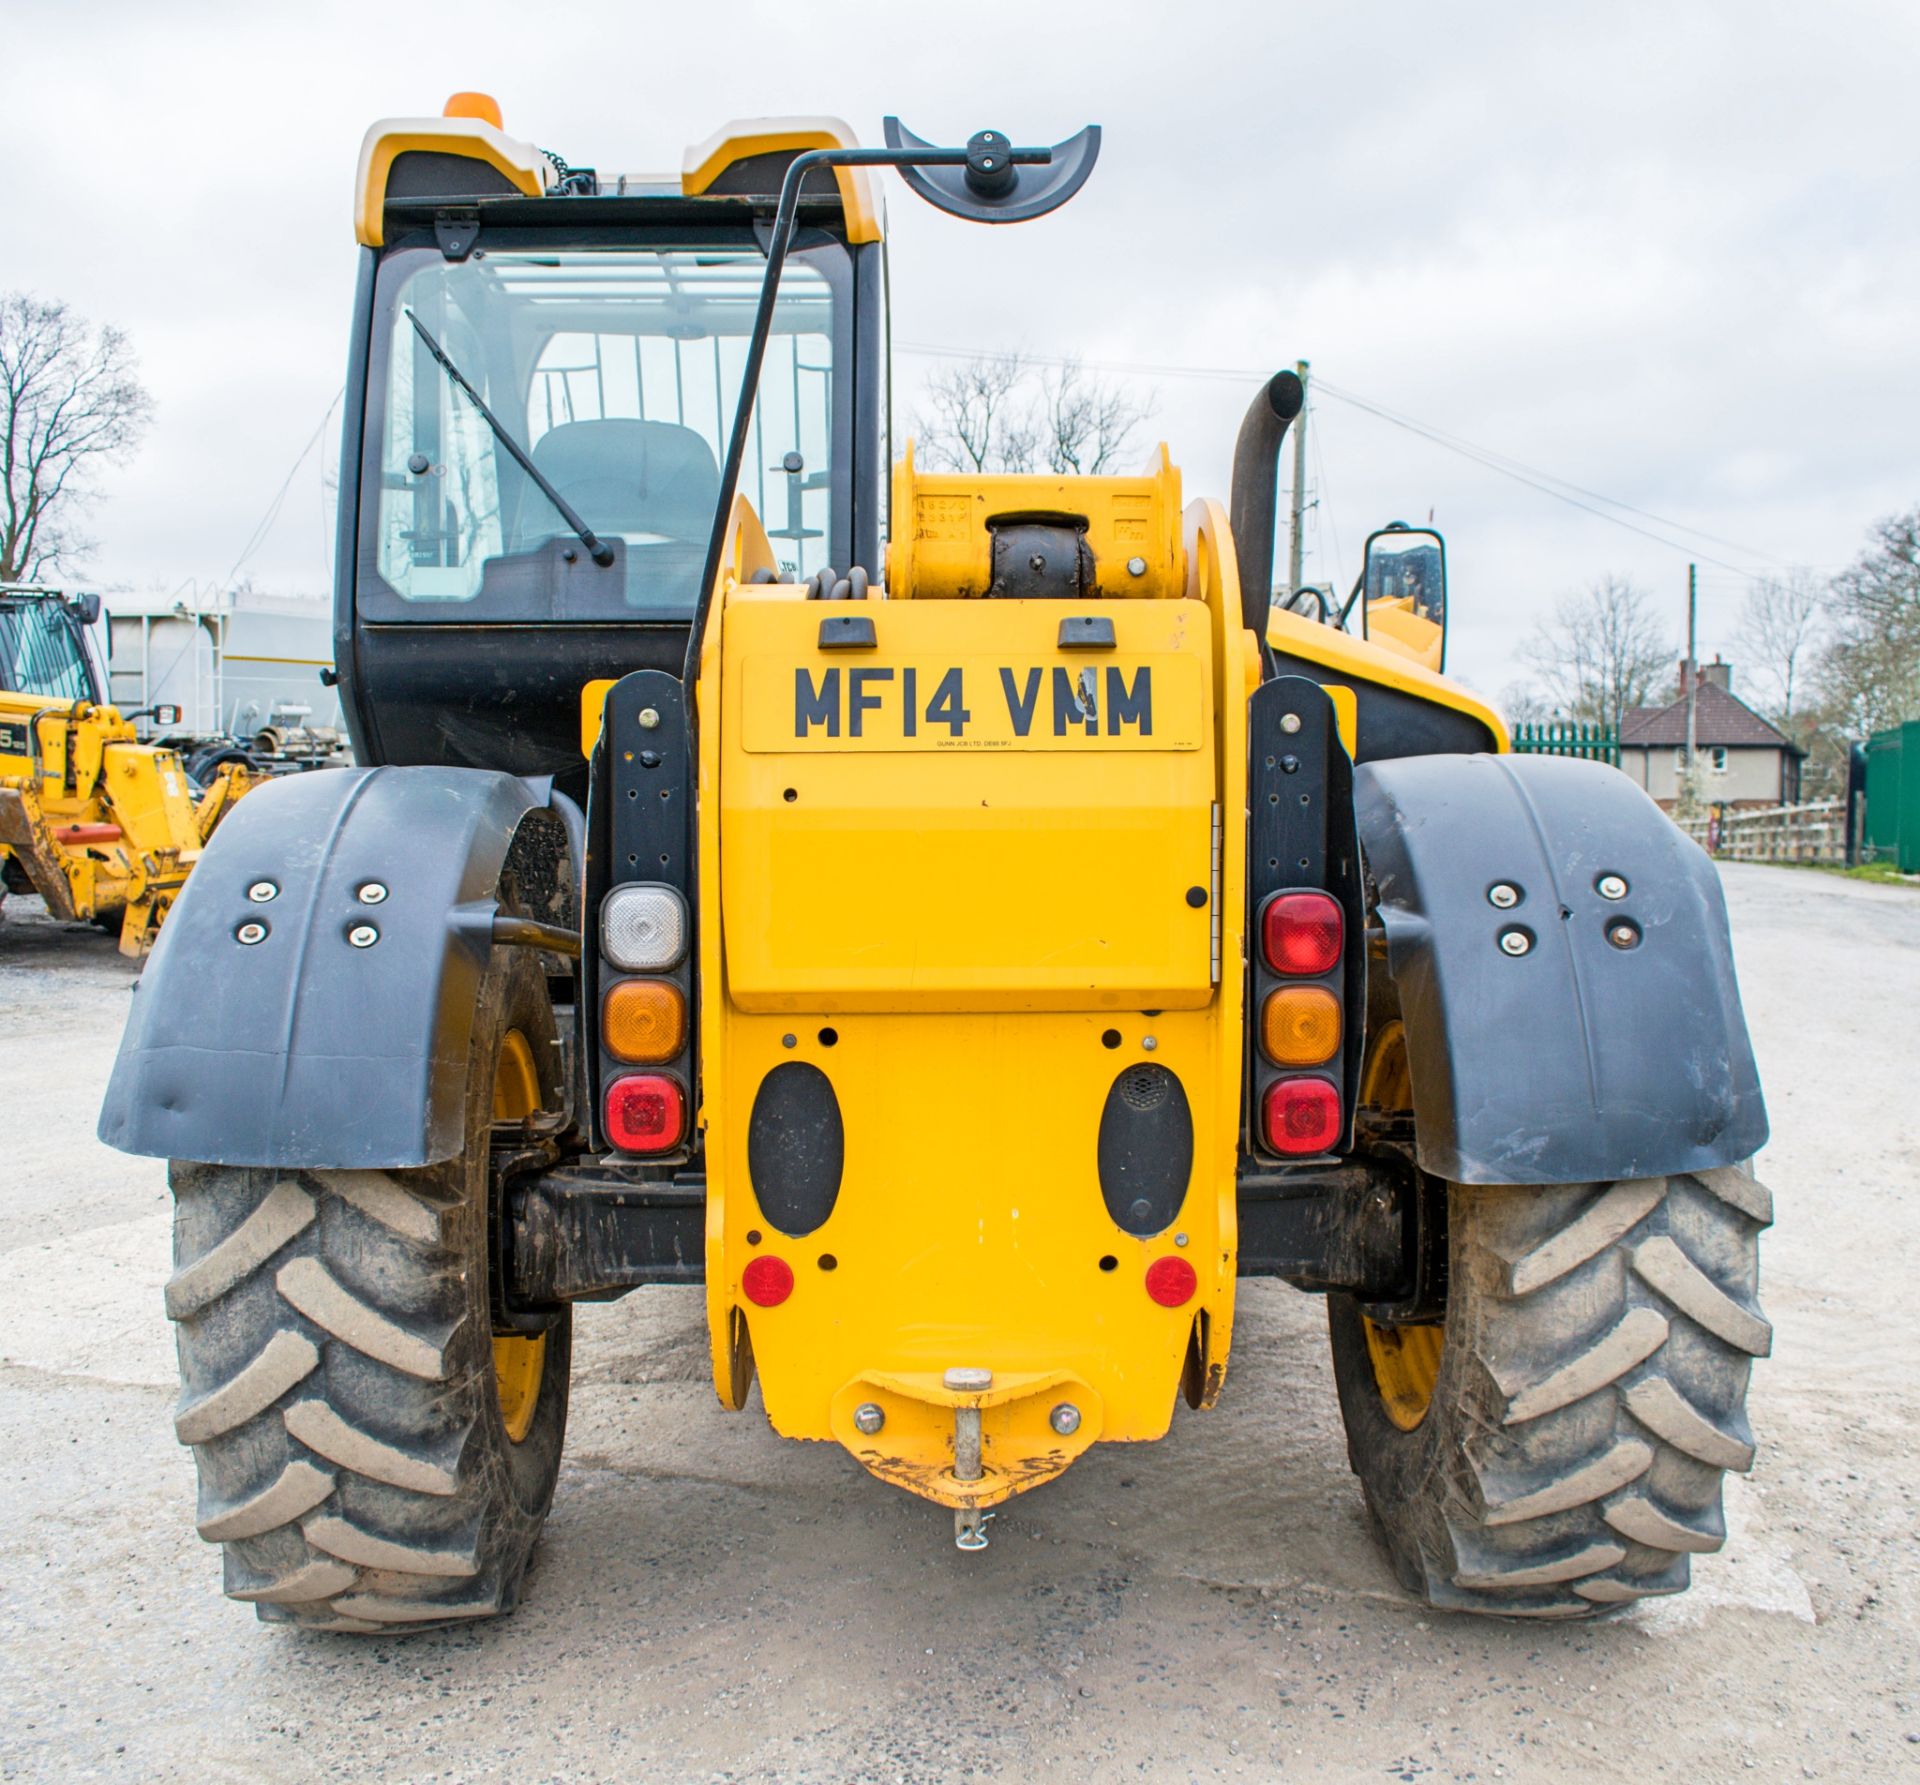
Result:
[[102, 826]]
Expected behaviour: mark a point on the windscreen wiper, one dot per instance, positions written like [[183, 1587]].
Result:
[[597, 548]]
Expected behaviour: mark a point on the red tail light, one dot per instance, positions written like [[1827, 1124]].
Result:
[[767, 1281], [1171, 1282], [1302, 1115], [1302, 932], [646, 1113]]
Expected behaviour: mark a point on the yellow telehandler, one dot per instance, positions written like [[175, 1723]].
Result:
[[103, 827], [957, 924]]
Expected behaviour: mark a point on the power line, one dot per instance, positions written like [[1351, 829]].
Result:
[[1545, 482], [1496, 463], [258, 537]]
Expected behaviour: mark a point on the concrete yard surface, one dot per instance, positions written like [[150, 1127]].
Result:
[[712, 1603]]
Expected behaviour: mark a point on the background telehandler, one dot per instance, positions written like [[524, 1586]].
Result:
[[966, 959], [102, 826]]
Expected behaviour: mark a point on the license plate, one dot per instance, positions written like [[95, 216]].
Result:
[[1145, 702]]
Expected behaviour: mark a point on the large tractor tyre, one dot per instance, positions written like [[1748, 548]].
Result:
[[371, 1456], [1556, 1447]]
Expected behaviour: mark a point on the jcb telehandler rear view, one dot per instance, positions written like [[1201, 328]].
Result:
[[949, 917]]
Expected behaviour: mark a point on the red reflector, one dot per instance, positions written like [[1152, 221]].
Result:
[[1171, 1282], [1302, 932], [646, 1113], [767, 1281], [1302, 1115]]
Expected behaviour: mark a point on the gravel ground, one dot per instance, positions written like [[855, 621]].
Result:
[[710, 1603]]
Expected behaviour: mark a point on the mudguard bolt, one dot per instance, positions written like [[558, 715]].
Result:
[[1611, 886], [250, 933], [1149, 1042], [1289, 723], [1515, 942], [1624, 935], [262, 890], [868, 1418], [372, 893], [649, 718], [1502, 896], [1136, 567], [1065, 1419], [962, 1380], [363, 935]]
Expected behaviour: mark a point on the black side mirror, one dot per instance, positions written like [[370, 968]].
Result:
[[86, 608], [1405, 580], [997, 183]]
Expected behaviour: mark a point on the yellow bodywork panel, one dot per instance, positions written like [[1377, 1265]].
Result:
[[706, 164], [973, 941], [520, 164], [98, 821], [1002, 825], [941, 546], [1378, 662]]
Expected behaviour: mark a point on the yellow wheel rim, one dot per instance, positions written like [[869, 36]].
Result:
[[518, 1362], [1406, 1359]]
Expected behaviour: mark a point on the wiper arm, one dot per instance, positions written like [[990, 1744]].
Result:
[[597, 548]]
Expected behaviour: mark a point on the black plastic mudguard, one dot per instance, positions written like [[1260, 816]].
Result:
[[300, 1048], [1577, 1059]]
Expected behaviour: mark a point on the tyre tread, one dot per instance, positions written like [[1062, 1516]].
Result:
[[1595, 1397]]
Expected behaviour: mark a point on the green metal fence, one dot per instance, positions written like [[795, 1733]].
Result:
[[1568, 737], [1893, 796]]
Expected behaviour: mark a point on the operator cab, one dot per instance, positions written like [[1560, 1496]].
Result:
[[546, 365], [43, 644]]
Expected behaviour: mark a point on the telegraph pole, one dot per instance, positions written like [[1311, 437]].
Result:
[[1690, 788], [1693, 662], [1296, 539]]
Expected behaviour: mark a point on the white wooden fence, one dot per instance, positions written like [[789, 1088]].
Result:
[[1816, 832]]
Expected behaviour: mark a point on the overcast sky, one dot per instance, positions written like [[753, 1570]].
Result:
[[1665, 252]]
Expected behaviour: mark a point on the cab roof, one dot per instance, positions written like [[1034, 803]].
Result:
[[412, 167]]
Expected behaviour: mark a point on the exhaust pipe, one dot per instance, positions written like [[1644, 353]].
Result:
[[1256, 491]]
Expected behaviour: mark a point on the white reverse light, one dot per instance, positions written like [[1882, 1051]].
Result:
[[643, 928]]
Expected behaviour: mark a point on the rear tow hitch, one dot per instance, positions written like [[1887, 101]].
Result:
[[969, 1522]]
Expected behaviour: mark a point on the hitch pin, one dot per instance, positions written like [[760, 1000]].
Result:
[[969, 1523]]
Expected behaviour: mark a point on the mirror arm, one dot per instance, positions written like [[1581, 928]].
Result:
[[778, 243]]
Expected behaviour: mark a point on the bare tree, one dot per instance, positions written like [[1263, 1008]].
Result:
[[976, 417], [1088, 422], [1868, 674], [1601, 652], [1521, 703], [1779, 626], [1000, 412], [71, 401]]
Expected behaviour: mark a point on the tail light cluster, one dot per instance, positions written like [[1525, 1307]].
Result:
[[641, 994], [1299, 1022], [646, 1040]]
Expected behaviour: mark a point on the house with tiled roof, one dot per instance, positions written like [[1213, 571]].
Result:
[[1745, 760]]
